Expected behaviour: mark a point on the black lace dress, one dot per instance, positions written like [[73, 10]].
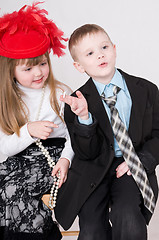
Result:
[[24, 178]]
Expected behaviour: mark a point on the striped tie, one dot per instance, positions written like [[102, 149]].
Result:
[[125, 144]]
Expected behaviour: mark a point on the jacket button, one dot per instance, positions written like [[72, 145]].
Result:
[[93, 185], [111, 146]]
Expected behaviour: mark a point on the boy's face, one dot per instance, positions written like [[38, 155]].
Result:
[[96, 55]]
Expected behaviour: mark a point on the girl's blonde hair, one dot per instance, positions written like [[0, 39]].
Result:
[[12, 113]]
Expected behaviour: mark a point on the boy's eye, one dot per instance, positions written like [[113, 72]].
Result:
[[104, 47], [90, 53]]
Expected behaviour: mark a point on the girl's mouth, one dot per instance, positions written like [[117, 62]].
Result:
[[38, 80]]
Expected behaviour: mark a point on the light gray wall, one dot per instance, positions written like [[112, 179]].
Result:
[[132, 26]]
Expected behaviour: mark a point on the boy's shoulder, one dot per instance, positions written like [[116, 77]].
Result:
[[142, 82], [131, 81]]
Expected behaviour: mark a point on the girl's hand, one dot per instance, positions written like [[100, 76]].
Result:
[[61, 166], [78, 104], [41, 129], [122, 169]]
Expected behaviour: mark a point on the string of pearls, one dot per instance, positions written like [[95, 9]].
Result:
[[51, 162], [55, 186]]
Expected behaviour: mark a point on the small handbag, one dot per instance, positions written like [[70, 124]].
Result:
[[46, 198]]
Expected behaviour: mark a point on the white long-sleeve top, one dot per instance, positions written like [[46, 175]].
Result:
[[12, 144]]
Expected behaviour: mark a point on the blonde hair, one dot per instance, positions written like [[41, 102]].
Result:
[[80, 33], [12, 114]]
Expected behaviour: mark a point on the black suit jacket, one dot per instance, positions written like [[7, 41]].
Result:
[[93, 145]]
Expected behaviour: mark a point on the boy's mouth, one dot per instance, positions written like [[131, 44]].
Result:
[[104, 64]]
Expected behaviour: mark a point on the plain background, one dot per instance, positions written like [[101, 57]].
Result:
[[132, 26]]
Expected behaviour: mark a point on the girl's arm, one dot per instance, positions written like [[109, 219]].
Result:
[[12, 144]]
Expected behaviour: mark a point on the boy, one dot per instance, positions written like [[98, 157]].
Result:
[[106, 184]]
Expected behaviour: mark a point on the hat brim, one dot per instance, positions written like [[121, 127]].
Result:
[[24, 45]]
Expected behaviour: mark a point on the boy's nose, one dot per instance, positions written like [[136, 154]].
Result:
[[100, 55]]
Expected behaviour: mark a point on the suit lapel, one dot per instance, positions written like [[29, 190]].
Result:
[[97, 109], [138, 97]]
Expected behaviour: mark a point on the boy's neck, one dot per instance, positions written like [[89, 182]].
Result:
[[105, 80]]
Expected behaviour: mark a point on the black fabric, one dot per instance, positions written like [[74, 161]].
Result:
[[2, 233], [119, 200], [87, 130], [52, 234], [24, 178], [148, 161]]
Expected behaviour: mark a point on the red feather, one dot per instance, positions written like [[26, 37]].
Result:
[[13, 29], [36, 16], [32, 17], [3, 26]]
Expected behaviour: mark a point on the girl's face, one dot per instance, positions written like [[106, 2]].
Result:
[[32, 76]]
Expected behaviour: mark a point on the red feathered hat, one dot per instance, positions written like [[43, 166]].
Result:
[[28, 33]]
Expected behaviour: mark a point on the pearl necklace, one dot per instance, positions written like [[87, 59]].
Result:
[[51, 163], [54, 189]]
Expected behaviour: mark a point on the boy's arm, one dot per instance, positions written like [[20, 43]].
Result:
[[85, 141], [149, 153]]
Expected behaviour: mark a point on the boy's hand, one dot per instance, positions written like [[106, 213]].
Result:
[[78, 105], [122, 169], [41, 129], [61, 166]]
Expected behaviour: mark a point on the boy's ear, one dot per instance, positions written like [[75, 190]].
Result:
[[114, 46], [79, 67]]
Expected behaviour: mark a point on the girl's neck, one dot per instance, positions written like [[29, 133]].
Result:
[[26, 89]]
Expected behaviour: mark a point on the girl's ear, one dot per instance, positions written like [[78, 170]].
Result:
[[79, 67]]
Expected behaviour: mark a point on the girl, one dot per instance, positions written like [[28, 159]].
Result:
[[33, 134]]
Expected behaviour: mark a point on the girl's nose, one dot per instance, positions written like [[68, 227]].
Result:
[[37, 71]]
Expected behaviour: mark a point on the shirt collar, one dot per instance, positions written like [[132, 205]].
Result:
[[116, 80]]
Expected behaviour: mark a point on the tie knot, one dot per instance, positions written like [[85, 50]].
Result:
[[111, 101], [116, 90]]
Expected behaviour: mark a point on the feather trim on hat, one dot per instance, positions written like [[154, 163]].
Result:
[[33, 18]]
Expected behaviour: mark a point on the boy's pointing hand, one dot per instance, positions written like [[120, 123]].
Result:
[[78, 104]]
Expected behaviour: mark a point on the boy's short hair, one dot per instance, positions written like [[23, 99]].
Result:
[[79, 33]]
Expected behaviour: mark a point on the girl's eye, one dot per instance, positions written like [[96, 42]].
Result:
[[28, 69], [43, 63]]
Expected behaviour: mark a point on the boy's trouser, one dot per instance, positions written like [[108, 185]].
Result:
[[125, 220]]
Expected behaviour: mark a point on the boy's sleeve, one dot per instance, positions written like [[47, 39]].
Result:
[[86, 122], [84, 138], [67, 151], [149, 154]]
